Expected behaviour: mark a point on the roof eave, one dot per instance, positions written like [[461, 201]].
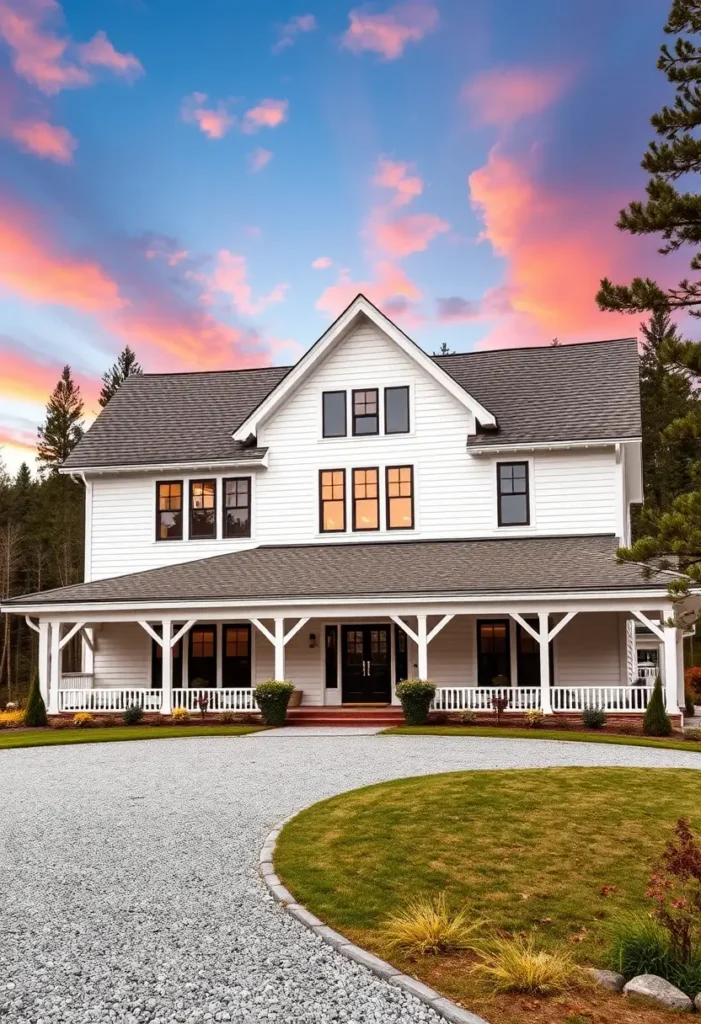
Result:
[[155, 467]]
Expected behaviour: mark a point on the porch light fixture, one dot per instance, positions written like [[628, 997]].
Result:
[[312, 639]]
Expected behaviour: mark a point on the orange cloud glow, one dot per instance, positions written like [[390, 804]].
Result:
[[268, 114], [20, 442], [258, 159], [214, 122], [388, 33], [502, 96], [404, 235], [48, 141], [394, 176], [31, 377], [389, 285]]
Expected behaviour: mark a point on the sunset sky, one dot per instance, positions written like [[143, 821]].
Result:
[[212, 181]]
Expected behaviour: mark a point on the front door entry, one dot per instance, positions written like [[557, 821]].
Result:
[[202, 661], [366, 664]]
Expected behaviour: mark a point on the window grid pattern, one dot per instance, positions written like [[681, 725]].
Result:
[[169, 525], [365, 412], [237, 642], [512, 488], [203, 516], [202, 643], [400, 498], [366, 499], [333, 500], [237, 507]]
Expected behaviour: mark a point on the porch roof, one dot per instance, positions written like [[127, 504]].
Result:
[[380, 569]]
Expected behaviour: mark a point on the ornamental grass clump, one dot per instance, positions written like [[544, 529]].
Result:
[[35, 711], [427, 926], [656, 721], [180, 715], [517, 965], [272, 697], [416, 696]]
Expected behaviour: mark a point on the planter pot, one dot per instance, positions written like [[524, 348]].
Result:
[[296, 699]]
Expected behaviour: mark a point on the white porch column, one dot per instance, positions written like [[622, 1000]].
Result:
[[279, 649], [166, 667], [55, 667], [44, 660], [88, 657], [422, 644], [671, 669], [544, 642]]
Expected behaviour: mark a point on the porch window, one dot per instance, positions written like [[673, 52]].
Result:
[[237, 507], [332, 500], [169, 510], [512, 491], [203, 514], [401, 655], [333, 414], [365, 412], [331, 648], [366, 499], [397, 410], [493, 651], [400, 498]]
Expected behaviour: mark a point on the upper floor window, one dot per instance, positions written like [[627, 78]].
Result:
[[203, 509], [400, 498], [365, 412], [334, 414], [237, 507], [332, 500], [169, 510], [397, 410], [366, 499], [512, 493]]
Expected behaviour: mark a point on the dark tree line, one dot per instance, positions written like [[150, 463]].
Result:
[[42, 522]]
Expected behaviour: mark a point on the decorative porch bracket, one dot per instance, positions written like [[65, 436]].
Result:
[[652, 626], [544, 637], [70, 634], [422, 638], [279, 639]]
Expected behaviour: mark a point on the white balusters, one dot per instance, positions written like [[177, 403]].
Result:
[[609, 698], [240, 699], [564, 698]]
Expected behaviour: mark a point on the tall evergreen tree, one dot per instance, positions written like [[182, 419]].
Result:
[[125, 366], [63, 427], [668, 212]]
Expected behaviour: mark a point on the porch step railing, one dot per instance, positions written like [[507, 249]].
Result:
[[608, 698], [217, 700], [479, 698], [108, 700]]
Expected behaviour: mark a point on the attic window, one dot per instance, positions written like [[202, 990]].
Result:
[[334, 414], [365, 417]]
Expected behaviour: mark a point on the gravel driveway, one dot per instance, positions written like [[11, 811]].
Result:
[[128, 874]]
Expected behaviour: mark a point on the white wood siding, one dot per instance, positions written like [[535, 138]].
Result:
[[588, 651], [122, 655]]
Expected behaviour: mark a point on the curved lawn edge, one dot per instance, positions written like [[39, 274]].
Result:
[[541, 734], [12, 740], [445, 1008]]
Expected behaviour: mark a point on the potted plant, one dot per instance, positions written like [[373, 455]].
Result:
[[416, 696], [273, 697]]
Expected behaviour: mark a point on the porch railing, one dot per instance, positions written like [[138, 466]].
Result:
[[647, 672], [479, 698], [218, 700], [108, 700], [608, 698], [77, 680]]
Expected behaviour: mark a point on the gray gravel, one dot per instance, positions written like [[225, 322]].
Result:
[[128, 874]]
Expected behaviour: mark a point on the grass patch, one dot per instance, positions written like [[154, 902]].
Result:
[[11, 739], [541, 734], [558, 853]]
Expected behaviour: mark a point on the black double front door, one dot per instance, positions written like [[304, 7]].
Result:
[[366, 664]]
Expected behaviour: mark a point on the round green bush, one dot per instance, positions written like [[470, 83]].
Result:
[[593, 717], [133, 714], [272, 697], [416, 696]]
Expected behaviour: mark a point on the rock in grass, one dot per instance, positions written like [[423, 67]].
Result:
[[697, 1002], [607, 979], [660, 990]]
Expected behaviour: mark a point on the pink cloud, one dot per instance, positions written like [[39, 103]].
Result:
[[393, 175], [502, 96], [42, 139], [230, 278], [288, 32], [100, 52], [258, 159], [405, 235], [388, 33], [322, 263], [389, 285], [268, 114], [214, 122]]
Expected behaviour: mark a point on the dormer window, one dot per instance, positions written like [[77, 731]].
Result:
[[365, 412], [334, 414]]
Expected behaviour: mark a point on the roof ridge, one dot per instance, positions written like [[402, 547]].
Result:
[[534, 348]]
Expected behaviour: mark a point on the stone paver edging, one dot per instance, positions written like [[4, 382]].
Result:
[[438, 1003]]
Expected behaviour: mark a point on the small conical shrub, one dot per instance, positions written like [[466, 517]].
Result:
[[35, 711], [656, 721]]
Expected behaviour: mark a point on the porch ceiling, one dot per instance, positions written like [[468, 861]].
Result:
[[407, 569]]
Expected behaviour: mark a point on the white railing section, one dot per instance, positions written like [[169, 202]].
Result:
[[647, 672], [217, 700], [479, 698], [608, 698], [108, 700], [77, 680]]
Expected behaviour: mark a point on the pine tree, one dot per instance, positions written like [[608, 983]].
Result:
[[674, 215], [35, 710], [126, 366], [64, 424], [656, 721], [445, 350]]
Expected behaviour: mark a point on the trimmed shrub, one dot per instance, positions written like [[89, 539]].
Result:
[[180, 715], [535, 719], [227, 717], [656, 721], [133, 714], [593, 717], [469, 718], [516, 965], [272, 697], [83, 720], [416, 696], [694, 735], [35, 711], [428, 926]]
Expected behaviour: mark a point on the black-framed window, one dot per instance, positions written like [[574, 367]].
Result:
[[333, 409], [400, 497], [332, 500], [512, 493], [237, 506], [493, 651], [169, 510], [401, 654], [397, 410], [366, 499], [331, 656], [203, 509], [366, 419]]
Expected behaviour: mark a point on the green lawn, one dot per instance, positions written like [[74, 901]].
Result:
[[541, 734], [10, 738], [528, 849]]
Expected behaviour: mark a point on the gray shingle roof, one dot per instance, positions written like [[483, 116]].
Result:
[[564, 393], [556, 393], [474, 567]]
